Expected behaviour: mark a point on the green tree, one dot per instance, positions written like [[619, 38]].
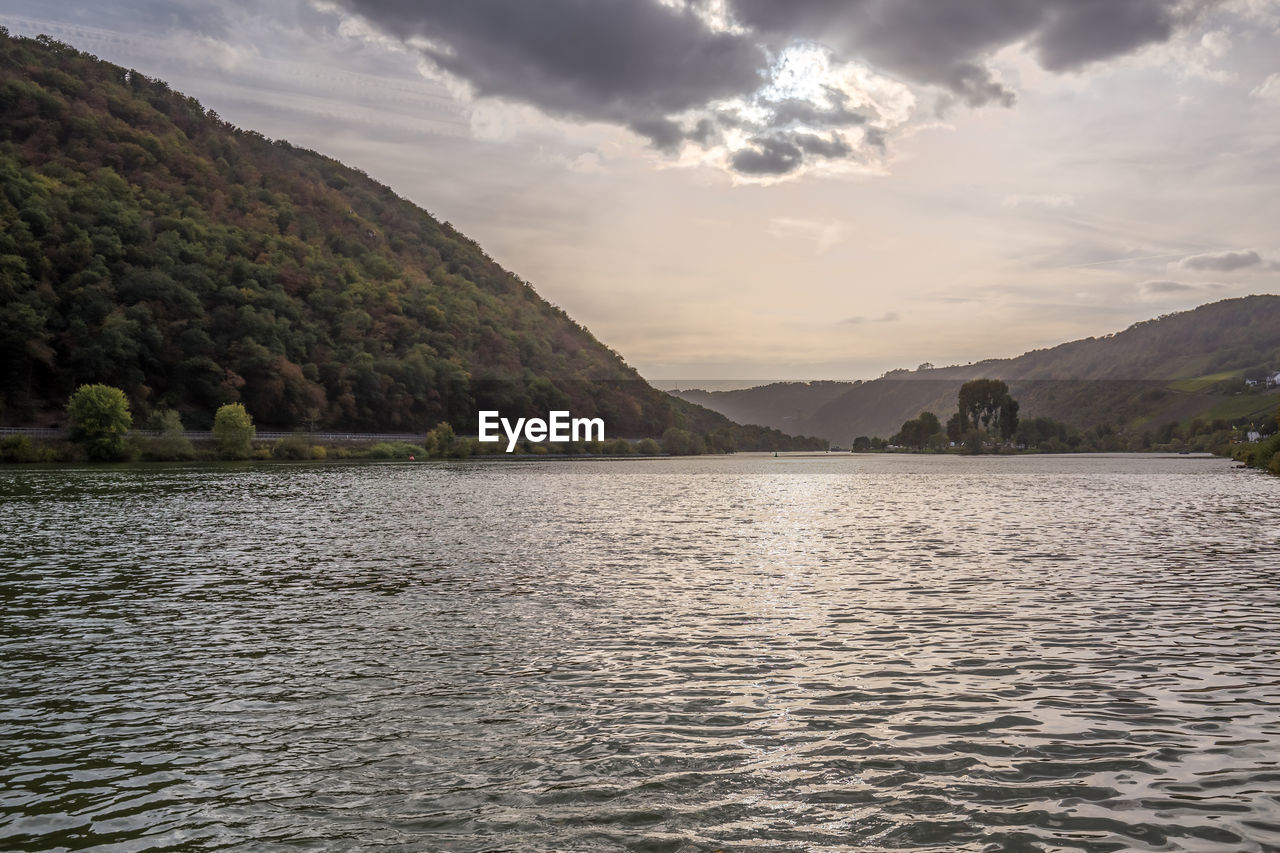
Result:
[[907, 434], [861, 444], [442, 442], [986, 404], [1168, 432], [100, 421], [18, 448], [170, 441], [918, 432], [648, 447], [680, 442], [1008, 417], [233, 431], [955, 428], [973, 442], [721, 441], [618, 447], [292, 447]]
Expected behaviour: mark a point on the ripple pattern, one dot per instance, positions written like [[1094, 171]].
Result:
[[821, 653]]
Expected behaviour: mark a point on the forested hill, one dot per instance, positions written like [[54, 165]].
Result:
[[1193, 364], [148, 244]]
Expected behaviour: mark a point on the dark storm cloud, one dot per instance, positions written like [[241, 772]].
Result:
[[923, 40], [642, 63], [976, 86], [667, 135], [769, 157], [1077, 32], [943, 43], [781, 154], [616, 60], [663, 133], [1222, 261]]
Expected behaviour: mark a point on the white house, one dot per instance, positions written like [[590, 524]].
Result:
[[1254, 435]]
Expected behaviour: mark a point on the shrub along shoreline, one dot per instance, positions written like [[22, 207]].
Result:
[[1264, 455], [100, 431], [438, 444]]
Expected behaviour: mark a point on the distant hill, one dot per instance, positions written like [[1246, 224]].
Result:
[[1173, 368], [149, 244]]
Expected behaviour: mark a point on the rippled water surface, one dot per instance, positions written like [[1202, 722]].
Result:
[[742, 653]]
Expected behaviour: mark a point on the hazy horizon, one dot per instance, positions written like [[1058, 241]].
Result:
[[808, 191]]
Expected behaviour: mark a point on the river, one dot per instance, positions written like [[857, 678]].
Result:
[[808, 653]]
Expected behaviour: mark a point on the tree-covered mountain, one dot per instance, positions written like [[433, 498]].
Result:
[[1202, 363], [148, 244]]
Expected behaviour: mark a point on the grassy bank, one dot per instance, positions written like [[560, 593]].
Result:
[[1264, 455], [22, 449]]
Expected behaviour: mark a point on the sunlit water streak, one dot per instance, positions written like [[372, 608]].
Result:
[[745, 653]]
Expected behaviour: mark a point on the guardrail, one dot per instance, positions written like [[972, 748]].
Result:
[[269, 435], [262, 435]]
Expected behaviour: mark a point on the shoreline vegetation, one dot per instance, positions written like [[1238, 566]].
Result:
[[101, 430], [149, 446], [985, 422], [1263, 455]]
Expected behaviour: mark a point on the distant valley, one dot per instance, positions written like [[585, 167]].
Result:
[[1212, 362]]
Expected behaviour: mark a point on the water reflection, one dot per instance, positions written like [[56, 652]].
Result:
[[829, 653]]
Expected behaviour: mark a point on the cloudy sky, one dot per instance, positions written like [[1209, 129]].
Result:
[[766, 189]]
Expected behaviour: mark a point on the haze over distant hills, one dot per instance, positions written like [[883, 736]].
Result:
[[150, 245], [1173, 368]]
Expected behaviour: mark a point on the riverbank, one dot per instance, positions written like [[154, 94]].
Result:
[[22, 448], [1263, 455], [34, 447]]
